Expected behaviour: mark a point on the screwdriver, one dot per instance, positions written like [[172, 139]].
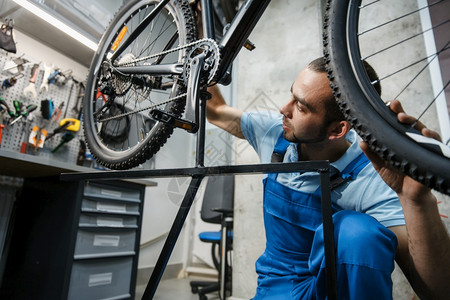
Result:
[[1, 124], [67, 137], [18, 107], [21, 114]]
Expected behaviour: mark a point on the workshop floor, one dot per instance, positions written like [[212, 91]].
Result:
[[170, 289]]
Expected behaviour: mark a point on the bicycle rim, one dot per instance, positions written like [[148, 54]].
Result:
[[396, 47], [118, 130]]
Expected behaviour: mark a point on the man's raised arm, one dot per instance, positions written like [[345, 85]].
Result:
[[222, 115]]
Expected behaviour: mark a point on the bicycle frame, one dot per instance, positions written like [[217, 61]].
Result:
[[230, 45], [240, 28]]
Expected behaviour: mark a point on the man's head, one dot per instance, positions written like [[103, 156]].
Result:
[[312, 114]]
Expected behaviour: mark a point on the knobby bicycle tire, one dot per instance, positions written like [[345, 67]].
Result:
[[364, 108], [131, 137]]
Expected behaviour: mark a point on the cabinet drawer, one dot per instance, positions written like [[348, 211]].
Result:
[[103, 220], [100, 243], [101, 279], [111, 192], [109, 206]]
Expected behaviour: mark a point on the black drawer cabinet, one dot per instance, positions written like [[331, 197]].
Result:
[[74, 240]]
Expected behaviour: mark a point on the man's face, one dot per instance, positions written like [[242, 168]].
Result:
[[304, 114]]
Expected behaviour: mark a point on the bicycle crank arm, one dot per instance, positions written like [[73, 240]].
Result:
[[162, 116], [193, 95]]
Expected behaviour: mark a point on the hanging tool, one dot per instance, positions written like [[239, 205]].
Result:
[[81, 90], [17, 107], [15, 66], [66, 125], [4, 107], [81, 157], [2, 112], [9, 82], [63, 78], [68, 100], [58, 130], [74, 124], [47, 71], [57, 113], [23, 137], [67, 137], [1, 132], [60, 78], [24, 113], [47, 108], [37, 137], [30, 89]]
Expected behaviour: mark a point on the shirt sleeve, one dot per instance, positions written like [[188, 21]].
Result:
[[381, 202], [261, 129]]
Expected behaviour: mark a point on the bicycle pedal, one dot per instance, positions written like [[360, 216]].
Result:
[[165, 117]]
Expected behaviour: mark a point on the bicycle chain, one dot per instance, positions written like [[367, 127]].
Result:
[[168, 51], [142, 109], [197, 42]]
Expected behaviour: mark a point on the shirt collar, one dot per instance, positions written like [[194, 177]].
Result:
[[353, 151]]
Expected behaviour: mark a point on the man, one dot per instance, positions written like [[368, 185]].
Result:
[[370, 229]]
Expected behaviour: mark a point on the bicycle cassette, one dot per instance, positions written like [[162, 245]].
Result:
[[212, 60]]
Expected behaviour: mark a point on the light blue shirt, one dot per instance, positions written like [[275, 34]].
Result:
[[366, 193]]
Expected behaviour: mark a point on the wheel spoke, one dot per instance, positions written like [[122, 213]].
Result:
[[398, 18], [143, 73], [405, 40], [429, 105], [407, 43]]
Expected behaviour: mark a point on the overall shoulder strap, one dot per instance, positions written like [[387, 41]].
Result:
[[280, 149], [350, 172]]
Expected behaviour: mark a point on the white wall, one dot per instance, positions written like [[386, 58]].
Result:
[[37, 52]]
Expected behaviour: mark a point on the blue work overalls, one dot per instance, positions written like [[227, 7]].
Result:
[[292, 266]]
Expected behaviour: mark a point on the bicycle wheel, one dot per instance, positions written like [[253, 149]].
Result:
[[396, 46], [118, 130]]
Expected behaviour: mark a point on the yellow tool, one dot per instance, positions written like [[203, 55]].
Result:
[[74, 126]]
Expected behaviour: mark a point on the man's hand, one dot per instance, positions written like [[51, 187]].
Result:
[[403, 185]]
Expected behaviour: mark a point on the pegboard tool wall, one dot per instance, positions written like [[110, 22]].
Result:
[[14, 135]]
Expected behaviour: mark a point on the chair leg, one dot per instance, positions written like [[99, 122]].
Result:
[[225, 268], [204, 287]]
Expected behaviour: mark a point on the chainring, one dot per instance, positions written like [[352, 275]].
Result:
[[212, 59]]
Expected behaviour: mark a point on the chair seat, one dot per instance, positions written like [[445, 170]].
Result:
[[212, 236]]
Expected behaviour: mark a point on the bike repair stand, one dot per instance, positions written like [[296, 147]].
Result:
[[198, 173]]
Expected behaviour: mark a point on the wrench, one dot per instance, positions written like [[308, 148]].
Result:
[[30, 89], [47, 71]]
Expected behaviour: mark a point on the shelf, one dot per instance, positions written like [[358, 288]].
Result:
[[16, 164], [29, 166]]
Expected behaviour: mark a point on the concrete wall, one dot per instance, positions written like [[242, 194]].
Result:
[[287, 38]]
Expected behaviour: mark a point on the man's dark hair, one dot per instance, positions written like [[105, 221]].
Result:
[[333, 113]]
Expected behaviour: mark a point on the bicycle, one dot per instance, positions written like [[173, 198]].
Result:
[[150, 68]]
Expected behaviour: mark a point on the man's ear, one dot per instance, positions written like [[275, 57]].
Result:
[[338, 130]]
